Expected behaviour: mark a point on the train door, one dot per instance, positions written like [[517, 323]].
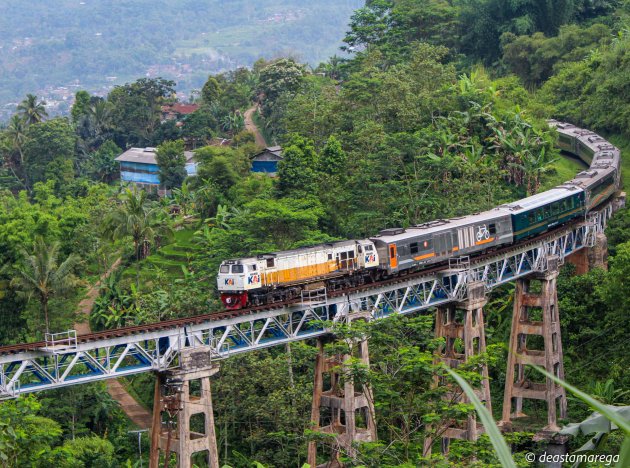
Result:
[[443, 244], [393, 256]]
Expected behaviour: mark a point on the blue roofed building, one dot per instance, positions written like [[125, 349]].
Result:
[[139, 166], [267, 160]]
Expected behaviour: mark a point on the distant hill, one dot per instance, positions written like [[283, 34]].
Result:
[[98, 43]]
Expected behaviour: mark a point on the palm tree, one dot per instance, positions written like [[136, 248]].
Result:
[[43, 275], [16, 135], [100, 115], [31, 110], [139, 219]]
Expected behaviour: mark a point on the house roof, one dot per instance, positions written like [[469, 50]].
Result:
[[179, 108], [145, 156], [271, 153]]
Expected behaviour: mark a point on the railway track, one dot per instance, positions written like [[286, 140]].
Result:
[[226, 314]]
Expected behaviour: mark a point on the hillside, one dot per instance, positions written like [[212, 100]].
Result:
[[46, 46]]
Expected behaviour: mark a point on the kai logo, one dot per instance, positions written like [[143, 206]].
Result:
[[370, 258], [229, 281], [253, 279]]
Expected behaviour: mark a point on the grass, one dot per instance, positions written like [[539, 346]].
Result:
[[564, 168]]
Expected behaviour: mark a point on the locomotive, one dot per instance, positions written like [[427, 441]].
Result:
[[282, 276]]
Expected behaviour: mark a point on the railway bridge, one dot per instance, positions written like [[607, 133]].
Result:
[[185, 350]]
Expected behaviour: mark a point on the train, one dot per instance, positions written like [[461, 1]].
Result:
[[285, 275]]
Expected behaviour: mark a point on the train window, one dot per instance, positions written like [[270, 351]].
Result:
[[413, 248], [547, 211], [539, 214], [492, 228], [343, 255], [555, 208], [329, 256], [531, 217], [271, 262], [237, 268], [392, 251], [368, 248], [251, 268], [224, 269], [350, 254], [359, 248]]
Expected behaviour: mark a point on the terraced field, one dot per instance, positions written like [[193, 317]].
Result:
[[168, 260]]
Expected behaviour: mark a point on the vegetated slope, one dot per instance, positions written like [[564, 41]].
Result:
[[46, 42]]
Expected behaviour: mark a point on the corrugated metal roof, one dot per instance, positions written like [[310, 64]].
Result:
[[559, 193], [145, 156]]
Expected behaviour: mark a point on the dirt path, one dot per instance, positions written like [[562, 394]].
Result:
[[250, 126], [134, 411]]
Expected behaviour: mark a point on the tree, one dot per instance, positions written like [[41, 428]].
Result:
[[368, 25], [139, 219], [211, 91], [135, 109], [31, 110], [171, 161], [332, 159], [49, 152], [16, 137], [281, 76], [43, 275], [25, 436], [81, 105], [297, 170], [102, 165]]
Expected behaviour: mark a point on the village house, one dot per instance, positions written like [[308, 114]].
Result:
[[138, 166], [267, 160], [177, 111]]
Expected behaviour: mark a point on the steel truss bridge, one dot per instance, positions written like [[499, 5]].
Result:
[[65, 359]]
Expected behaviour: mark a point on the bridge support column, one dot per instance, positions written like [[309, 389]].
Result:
[[342, 409], [462, 321], [535, 315], [593, 257], [175, 403]]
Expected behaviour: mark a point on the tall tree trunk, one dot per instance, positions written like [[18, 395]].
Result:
[[45, 305], [136, 244]]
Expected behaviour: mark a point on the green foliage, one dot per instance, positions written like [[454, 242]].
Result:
[[43, 275], [101, 164], [211, 91], [278, 82], [172, 163], [49, 152], [31, 110], [81, 105], [298, 169], [135, 108], [25, 436]]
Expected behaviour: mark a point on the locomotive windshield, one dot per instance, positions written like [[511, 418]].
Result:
[[224, 269]]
